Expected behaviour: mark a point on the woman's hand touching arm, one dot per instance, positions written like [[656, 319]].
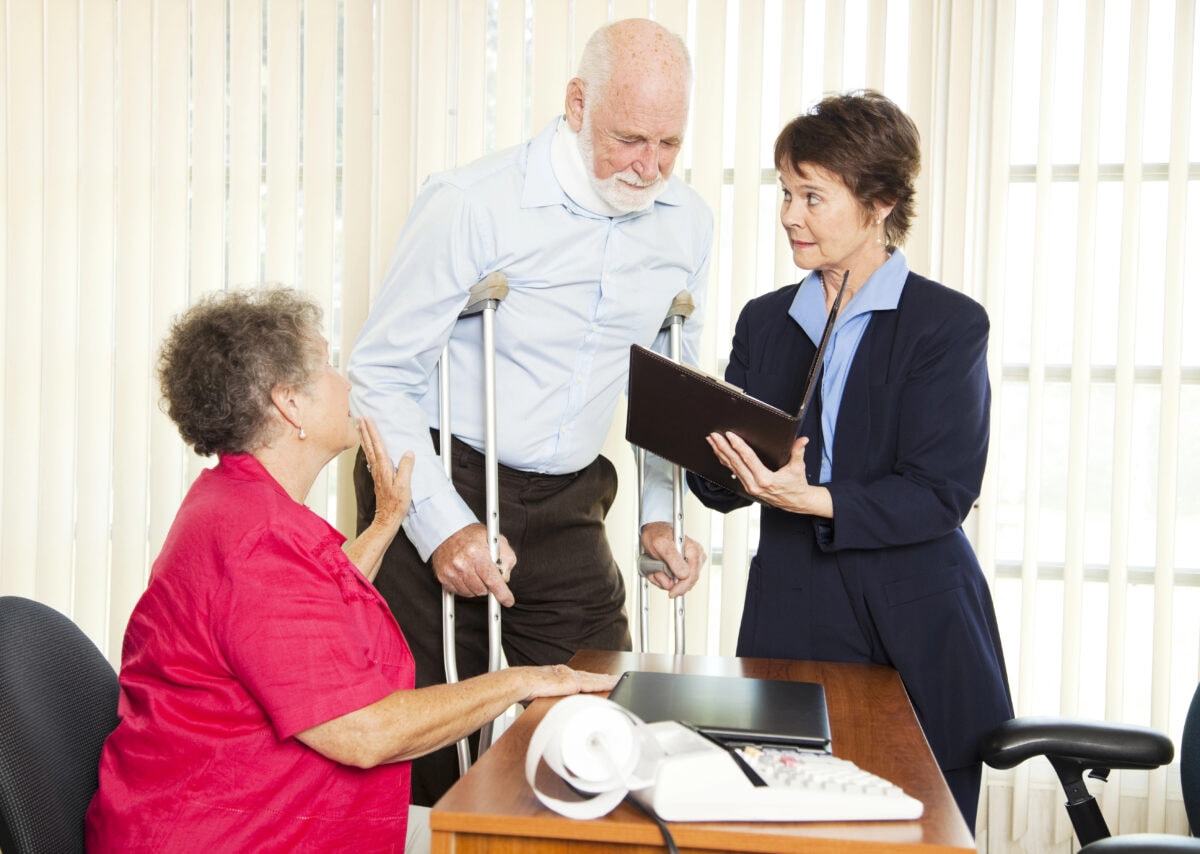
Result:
[[393, 495]]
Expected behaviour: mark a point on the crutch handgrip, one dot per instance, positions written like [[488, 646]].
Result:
[[486, 293], [648, 566], [681, 309]]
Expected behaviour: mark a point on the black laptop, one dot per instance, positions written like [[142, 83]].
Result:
[[730, 709]]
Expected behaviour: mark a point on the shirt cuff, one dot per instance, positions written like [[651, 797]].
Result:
[[432, 521], [658, 502]]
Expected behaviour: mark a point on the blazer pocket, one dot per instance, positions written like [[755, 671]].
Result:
[[922, 586]]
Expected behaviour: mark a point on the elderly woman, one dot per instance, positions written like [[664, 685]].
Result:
[[861, 554], [267, 697]]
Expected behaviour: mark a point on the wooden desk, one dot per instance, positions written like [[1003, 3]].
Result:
[[492, 808]]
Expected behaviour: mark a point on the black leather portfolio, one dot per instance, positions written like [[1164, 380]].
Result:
[[730, 709], [673, 407]]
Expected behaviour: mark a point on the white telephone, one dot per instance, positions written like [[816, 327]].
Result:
[[604, 751]]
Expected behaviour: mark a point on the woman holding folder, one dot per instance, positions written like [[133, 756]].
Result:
[[861, 554]]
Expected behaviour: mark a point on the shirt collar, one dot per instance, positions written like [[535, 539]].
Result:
[[543, 188], [881, 292]]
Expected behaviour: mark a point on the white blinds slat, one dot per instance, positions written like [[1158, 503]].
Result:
[[471, 70], [1036, 384], [550, 67], [97, 294], [169, 254], [835, 34], [1169, 412], [245, 143], [429, 137], [395, 183], [630, 9], [59, 307], [4, 279], [877, 43], [206, 141], [953, 164], [282, 203], [747, 157], [1123, 428], [1081, 374], [23, 318], [132, 346], [791, 34], [923, 53], [705, 140], [510, 73], [589, 16]]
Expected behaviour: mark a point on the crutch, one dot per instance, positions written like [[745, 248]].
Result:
[[484, 299], [681, 309]]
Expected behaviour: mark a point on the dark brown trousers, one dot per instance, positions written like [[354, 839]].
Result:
[[568, 588]]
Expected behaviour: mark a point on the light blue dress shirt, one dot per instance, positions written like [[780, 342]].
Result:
[[881, 292], [582, 288]]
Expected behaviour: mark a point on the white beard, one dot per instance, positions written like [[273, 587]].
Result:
[[624, 191]]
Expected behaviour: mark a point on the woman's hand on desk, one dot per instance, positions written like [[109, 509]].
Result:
[[558, 680]]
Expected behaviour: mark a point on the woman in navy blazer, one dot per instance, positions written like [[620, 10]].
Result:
[[861, 555]]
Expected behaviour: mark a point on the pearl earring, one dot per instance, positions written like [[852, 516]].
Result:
[[302, 434]]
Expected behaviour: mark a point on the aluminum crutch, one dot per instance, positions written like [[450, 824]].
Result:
[[681, 309], [484, 299]]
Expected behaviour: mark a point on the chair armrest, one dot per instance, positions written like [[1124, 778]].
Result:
[[1143, 843], [1090, 744]]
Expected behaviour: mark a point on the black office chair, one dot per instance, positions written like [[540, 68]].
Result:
[[1075, 746], [58, 703]]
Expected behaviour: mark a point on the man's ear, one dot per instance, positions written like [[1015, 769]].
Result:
[[576, 95]]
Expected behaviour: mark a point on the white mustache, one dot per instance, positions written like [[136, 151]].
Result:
[[631, 178]]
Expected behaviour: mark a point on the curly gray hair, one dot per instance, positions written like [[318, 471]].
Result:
[[223, 357]]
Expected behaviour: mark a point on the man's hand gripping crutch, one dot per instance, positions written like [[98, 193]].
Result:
[[476, 560]]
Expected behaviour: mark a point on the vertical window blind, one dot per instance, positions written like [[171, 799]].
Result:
[[155, 150]]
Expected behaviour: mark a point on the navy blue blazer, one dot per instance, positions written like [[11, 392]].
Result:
[[891, 579]]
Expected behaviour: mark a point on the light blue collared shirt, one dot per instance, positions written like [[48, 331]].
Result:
[[881, 292], [582, 288]]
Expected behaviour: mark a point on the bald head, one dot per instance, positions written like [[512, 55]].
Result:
[[635, 53]]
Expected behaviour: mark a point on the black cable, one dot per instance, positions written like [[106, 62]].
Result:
[[668, 839]]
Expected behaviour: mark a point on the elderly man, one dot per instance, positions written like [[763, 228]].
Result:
[[596, 238]]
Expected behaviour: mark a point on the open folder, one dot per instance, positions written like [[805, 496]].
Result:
[[674, 407]]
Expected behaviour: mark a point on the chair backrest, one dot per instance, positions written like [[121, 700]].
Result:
[[1189, 763], [58, 703]]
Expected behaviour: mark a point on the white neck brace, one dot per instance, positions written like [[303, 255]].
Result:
[[573, 174]]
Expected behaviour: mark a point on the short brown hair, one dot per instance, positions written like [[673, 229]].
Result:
[[223, 357], [869, 143]]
